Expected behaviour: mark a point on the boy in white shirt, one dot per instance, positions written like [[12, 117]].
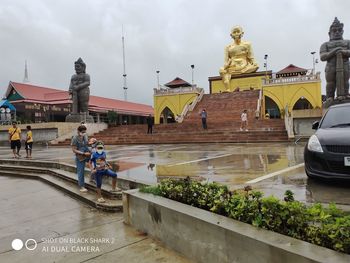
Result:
[[244, 121]]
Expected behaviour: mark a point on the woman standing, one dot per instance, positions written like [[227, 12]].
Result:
[[80, 148]]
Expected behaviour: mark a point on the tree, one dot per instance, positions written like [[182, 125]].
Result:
[[112, 117]]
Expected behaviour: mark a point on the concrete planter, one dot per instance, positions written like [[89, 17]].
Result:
[[207, 237]]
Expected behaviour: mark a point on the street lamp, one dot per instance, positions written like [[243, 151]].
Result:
[[192, 67], [313, 61], [158, 79], [265, 66]]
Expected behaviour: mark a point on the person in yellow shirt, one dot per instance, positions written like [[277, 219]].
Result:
[[29, 142], [15, 139]]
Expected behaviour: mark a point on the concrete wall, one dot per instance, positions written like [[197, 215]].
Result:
[[39, 135], [207, 237], [303, 126], [303, 119], [58, 131]]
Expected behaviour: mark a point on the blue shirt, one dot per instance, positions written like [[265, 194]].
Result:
[[99, 160]]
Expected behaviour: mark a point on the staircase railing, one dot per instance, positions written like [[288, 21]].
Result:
[[288, 122], [258, 106], [191, 106]]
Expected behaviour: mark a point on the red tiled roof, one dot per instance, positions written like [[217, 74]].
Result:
[[37, 94], [291, 69], [178, 82]]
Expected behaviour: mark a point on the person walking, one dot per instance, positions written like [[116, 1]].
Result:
[[149, 124], [244, 121], [80, 148], [29, 142], [15, 139], [204, 116]]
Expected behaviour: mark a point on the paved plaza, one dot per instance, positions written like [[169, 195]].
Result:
[[270, 167], [67, 230], [34, 210]]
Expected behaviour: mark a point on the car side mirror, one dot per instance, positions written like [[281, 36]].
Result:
[[315, 125]]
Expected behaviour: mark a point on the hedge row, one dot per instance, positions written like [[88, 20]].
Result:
[[328, 227]]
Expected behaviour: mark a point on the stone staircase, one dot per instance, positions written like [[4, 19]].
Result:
[[223, 109], [63, 177]]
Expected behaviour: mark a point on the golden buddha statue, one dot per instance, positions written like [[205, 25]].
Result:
[[238, 57]]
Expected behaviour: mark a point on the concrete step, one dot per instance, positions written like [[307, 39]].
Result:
[[89, 198], [65, 175]]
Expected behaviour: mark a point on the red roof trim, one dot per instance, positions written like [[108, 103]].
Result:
[[177, 82], [291, 69], [37, 94]]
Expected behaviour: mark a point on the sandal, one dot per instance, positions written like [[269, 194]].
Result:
[[101, 200]]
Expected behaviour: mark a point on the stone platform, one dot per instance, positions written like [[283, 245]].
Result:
[[79, 118], [327, 104]]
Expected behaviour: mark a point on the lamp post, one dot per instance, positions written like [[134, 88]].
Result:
[[265, 66], [192, 67], [158, 87], [313, 62]]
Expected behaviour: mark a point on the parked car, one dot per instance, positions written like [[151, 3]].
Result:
[[327, 153]]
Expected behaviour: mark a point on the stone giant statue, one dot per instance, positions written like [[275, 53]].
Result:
[[336, 52], [239, 57], [79, 88]]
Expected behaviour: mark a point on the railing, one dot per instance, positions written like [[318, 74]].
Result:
[[190, 107], [166, 91], [295, 79], [288, 122], [258, 106]]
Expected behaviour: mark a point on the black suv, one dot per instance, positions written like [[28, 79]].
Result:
[[327, 153]]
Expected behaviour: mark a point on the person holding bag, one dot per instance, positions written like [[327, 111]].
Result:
[[80, 148], [15, 139]]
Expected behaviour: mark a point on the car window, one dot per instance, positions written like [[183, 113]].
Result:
[[336, 117]]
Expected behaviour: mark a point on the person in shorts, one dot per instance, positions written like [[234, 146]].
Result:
[[29, 142], [15, 139], [244, 121]]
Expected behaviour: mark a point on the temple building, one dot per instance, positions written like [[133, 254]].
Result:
[[41, 104], [276, 94], [173, 100]]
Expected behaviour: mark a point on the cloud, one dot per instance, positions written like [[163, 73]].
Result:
[[167, 36]]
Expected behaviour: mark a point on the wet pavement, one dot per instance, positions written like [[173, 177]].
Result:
[[270, 167], [60, 225], [56, 228]]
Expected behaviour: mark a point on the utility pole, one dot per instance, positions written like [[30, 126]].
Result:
[[124, 70], [25, 79]]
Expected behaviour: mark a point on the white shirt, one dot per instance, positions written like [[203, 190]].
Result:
[[244, 116]]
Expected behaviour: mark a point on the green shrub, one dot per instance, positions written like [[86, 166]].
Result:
[[327, 227]]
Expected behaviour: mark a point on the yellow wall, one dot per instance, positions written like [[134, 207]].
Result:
[[175, 102], [242, 83], [288, 94]]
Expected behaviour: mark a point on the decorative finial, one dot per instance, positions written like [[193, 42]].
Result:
[[336, 23]]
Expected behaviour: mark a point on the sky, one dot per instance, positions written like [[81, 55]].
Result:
[[164, 35]]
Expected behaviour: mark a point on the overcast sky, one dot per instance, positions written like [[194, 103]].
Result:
[[161, 35]]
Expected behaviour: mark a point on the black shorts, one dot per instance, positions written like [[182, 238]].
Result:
[[29, 145], [16, 144]]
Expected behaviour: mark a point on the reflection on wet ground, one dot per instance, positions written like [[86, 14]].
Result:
[[230, 164], [34, 210], [226, 163]]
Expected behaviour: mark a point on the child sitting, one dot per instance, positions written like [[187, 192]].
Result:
[[100, 167]]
